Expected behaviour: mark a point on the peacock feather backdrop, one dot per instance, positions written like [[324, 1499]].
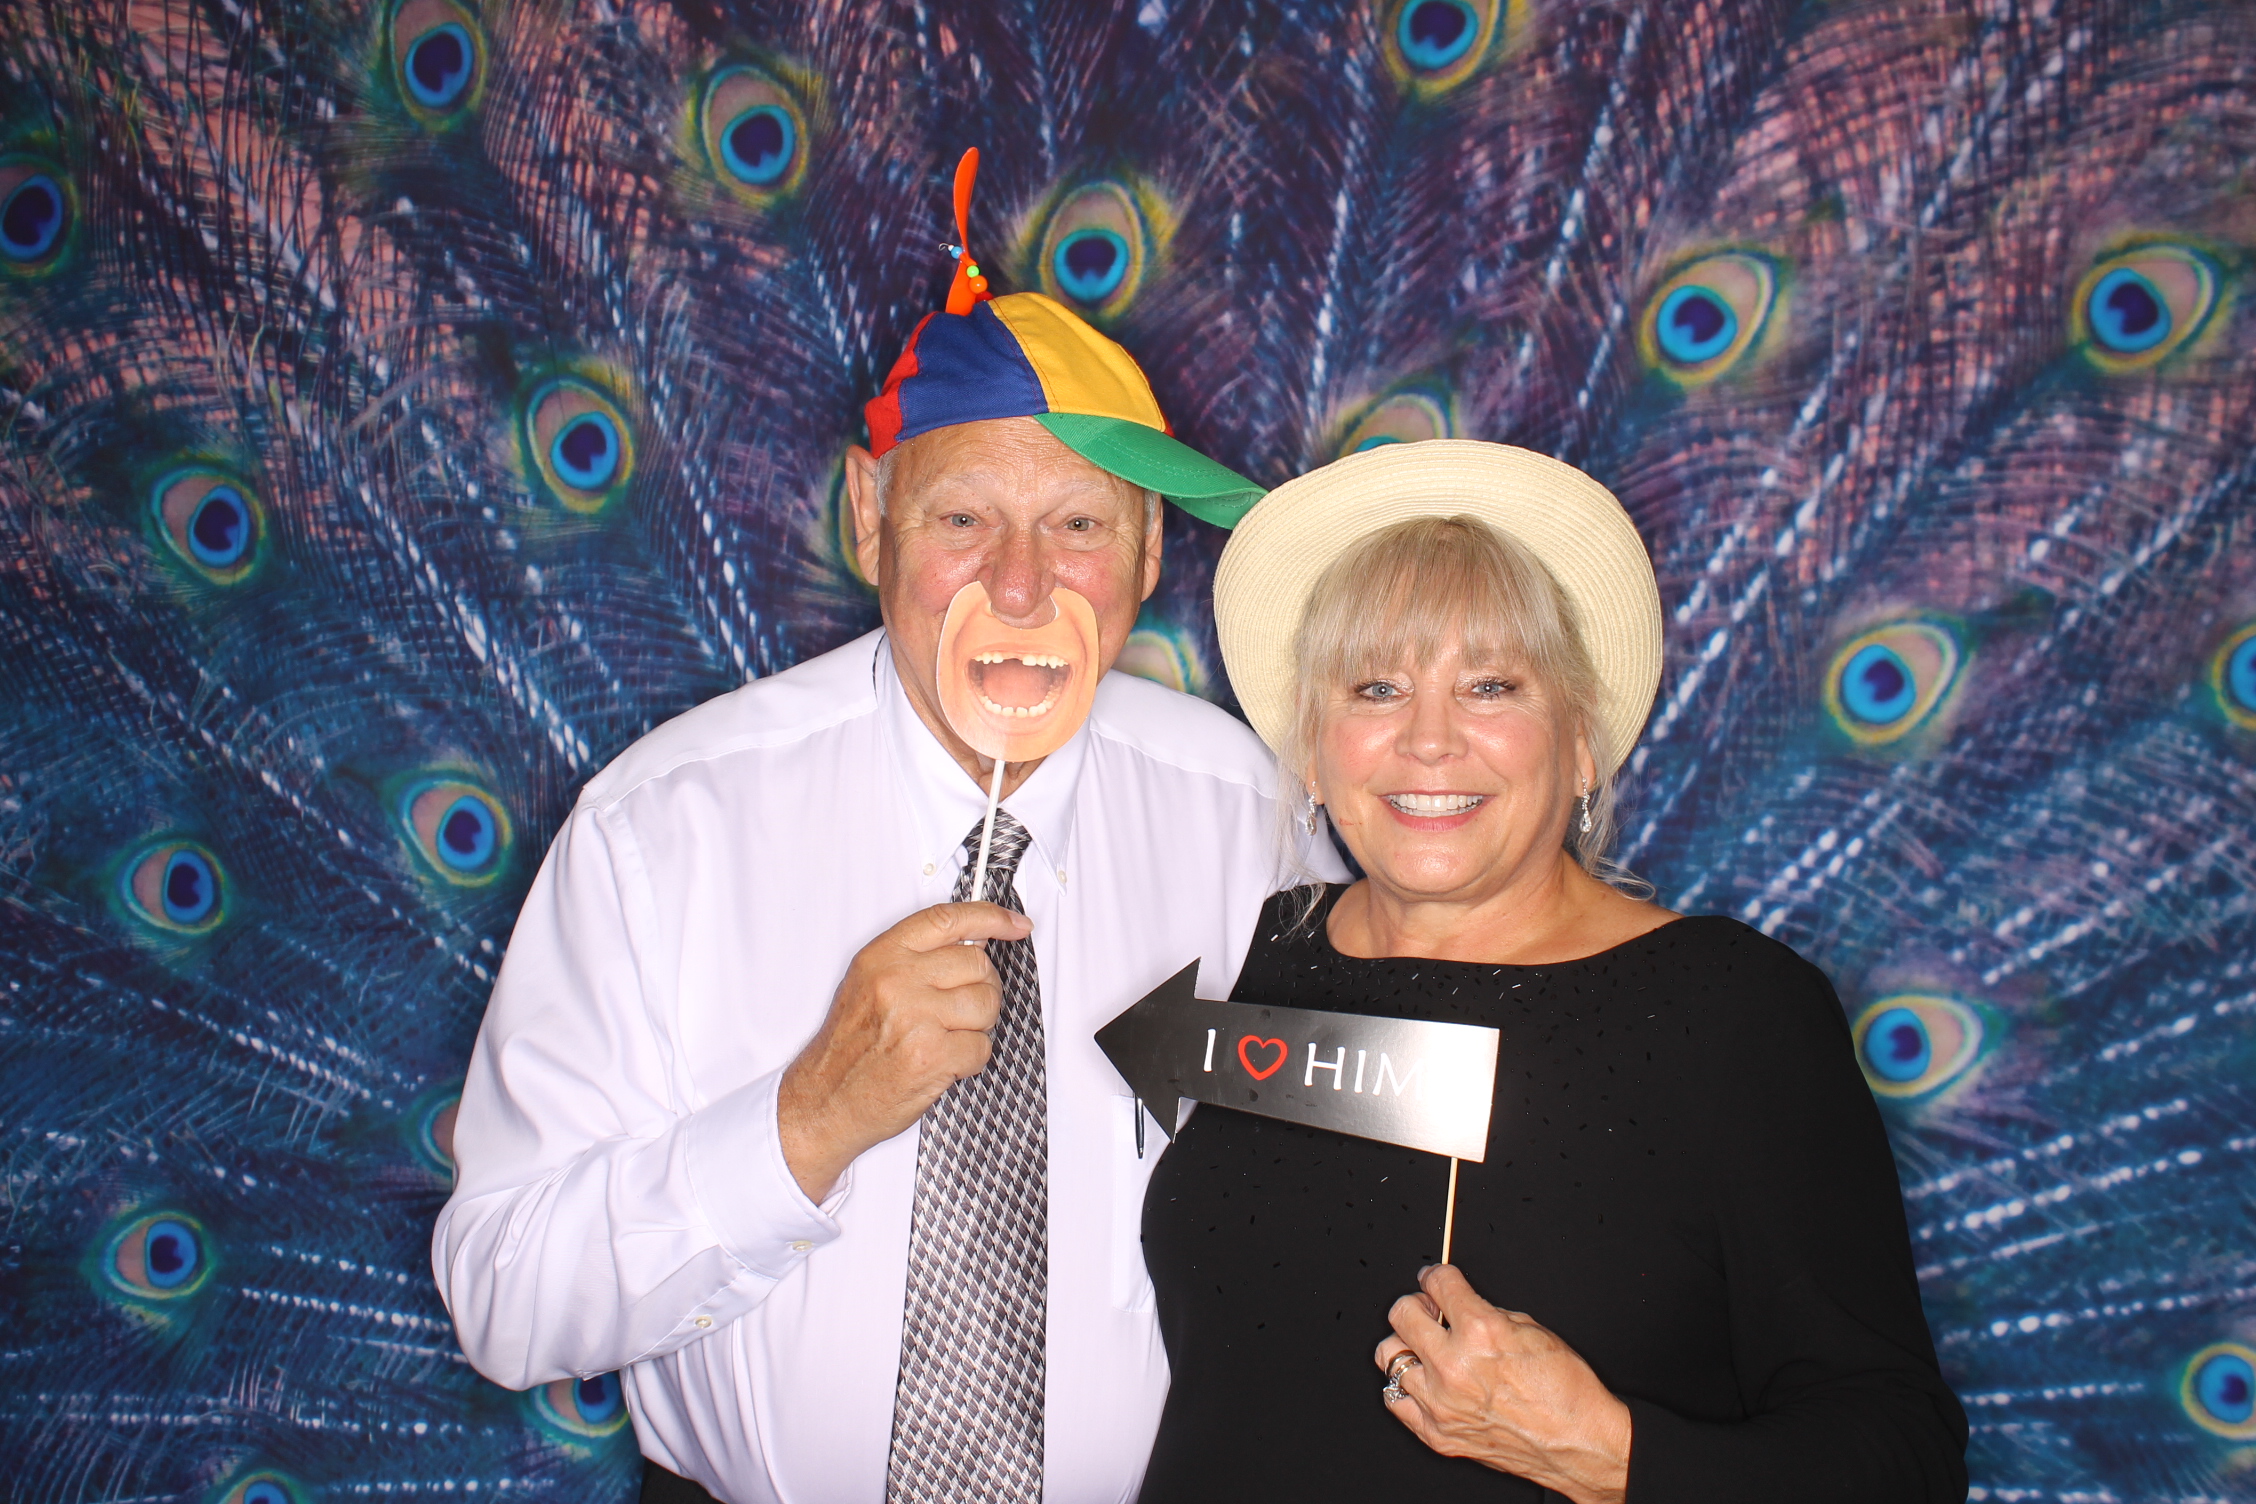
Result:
[[408, 403]]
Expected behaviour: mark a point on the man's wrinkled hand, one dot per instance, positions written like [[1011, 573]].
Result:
[[910, 1020]]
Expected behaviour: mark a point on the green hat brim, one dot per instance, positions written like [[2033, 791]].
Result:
[[1146, 457]]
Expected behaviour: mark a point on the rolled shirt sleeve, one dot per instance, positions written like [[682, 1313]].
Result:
[[600, 1218]]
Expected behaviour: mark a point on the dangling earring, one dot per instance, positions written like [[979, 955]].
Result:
[[1586, 806], [1308, 817]]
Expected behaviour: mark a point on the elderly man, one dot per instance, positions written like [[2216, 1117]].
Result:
[[853, 1206]]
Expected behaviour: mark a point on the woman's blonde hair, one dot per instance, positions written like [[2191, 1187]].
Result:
[[1405, 593]]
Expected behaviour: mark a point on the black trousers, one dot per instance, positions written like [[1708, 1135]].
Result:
[[662, 1487]]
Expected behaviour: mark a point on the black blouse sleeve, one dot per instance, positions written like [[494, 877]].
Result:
[[1836, 1370]]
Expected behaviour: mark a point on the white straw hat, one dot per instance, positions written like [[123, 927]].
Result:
[[1560, 515]]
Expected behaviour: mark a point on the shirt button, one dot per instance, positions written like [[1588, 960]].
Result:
[[1061, 877], [704, 1321], [928, 869], [801, 1246]]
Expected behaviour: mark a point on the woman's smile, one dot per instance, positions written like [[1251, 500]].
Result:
[[1434, 812]]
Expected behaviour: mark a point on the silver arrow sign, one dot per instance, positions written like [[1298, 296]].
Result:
[[1422, 1085]]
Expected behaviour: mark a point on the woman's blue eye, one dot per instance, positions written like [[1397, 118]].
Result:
[[1877, 687], [1091, 263], [31, 218], [1695, 325], [1435, 33], [586, 451], [757, 146], [439, 64]]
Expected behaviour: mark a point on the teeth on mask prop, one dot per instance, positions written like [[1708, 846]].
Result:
[[1015, 693]]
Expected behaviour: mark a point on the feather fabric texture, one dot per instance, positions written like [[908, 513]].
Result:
[[408, 404]]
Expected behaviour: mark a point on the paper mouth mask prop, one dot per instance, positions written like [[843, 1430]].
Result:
[[1017, 693]]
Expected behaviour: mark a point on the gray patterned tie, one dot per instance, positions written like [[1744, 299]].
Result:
[[967, 1415]]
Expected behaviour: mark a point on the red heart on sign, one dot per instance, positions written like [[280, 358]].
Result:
[[1247, 1062]]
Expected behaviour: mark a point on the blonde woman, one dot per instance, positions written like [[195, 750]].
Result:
[[1682, 1273]]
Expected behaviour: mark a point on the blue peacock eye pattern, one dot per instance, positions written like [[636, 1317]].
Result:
[[175, 886], [460, 831], [2135, 309], [35, 213], [1091, 263], [590, 1408], [1913, 1045], [754, 133], [1435, 45], [433, 1130], [2218, 1390], [438, 59], [580, 443], [1097, 249], [1165, 654], [212, 521], [1402, 417], [1888, 682], [2232, 676], [1705, 318], [158, 1257], [262, 1488]]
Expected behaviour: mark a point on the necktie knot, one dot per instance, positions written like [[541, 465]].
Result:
[[1010, 843]]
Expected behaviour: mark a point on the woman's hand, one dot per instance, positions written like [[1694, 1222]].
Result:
[[1500, 1388]]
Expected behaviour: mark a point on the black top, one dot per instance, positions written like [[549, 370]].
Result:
[[1686, 1180]]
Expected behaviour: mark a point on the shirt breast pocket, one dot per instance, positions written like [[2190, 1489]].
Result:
[[1131, 1282]]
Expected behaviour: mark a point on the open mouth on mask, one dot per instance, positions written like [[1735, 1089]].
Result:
[[1018, 685]]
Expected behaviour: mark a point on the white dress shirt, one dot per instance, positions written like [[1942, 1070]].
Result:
[[623, 1201]]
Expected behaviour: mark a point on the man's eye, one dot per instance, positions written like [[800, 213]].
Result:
[[1082, 524], [962, 519]]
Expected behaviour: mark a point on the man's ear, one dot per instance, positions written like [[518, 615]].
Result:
[[861, 496], [1155, 529]]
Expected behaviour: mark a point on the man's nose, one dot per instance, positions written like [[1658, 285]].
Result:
[[1018, 580]]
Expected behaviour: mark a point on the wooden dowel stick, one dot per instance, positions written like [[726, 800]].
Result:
[[1449, 1217], [987, 835]]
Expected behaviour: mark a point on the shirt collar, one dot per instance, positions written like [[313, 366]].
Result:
[[946, 803]]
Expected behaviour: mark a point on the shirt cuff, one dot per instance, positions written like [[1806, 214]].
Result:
[[734, 1153]]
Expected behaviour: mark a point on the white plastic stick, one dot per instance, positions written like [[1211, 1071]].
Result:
[[987, 839], [1449, 1217]]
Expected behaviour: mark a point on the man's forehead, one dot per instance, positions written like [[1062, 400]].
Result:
[[997, 455]]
